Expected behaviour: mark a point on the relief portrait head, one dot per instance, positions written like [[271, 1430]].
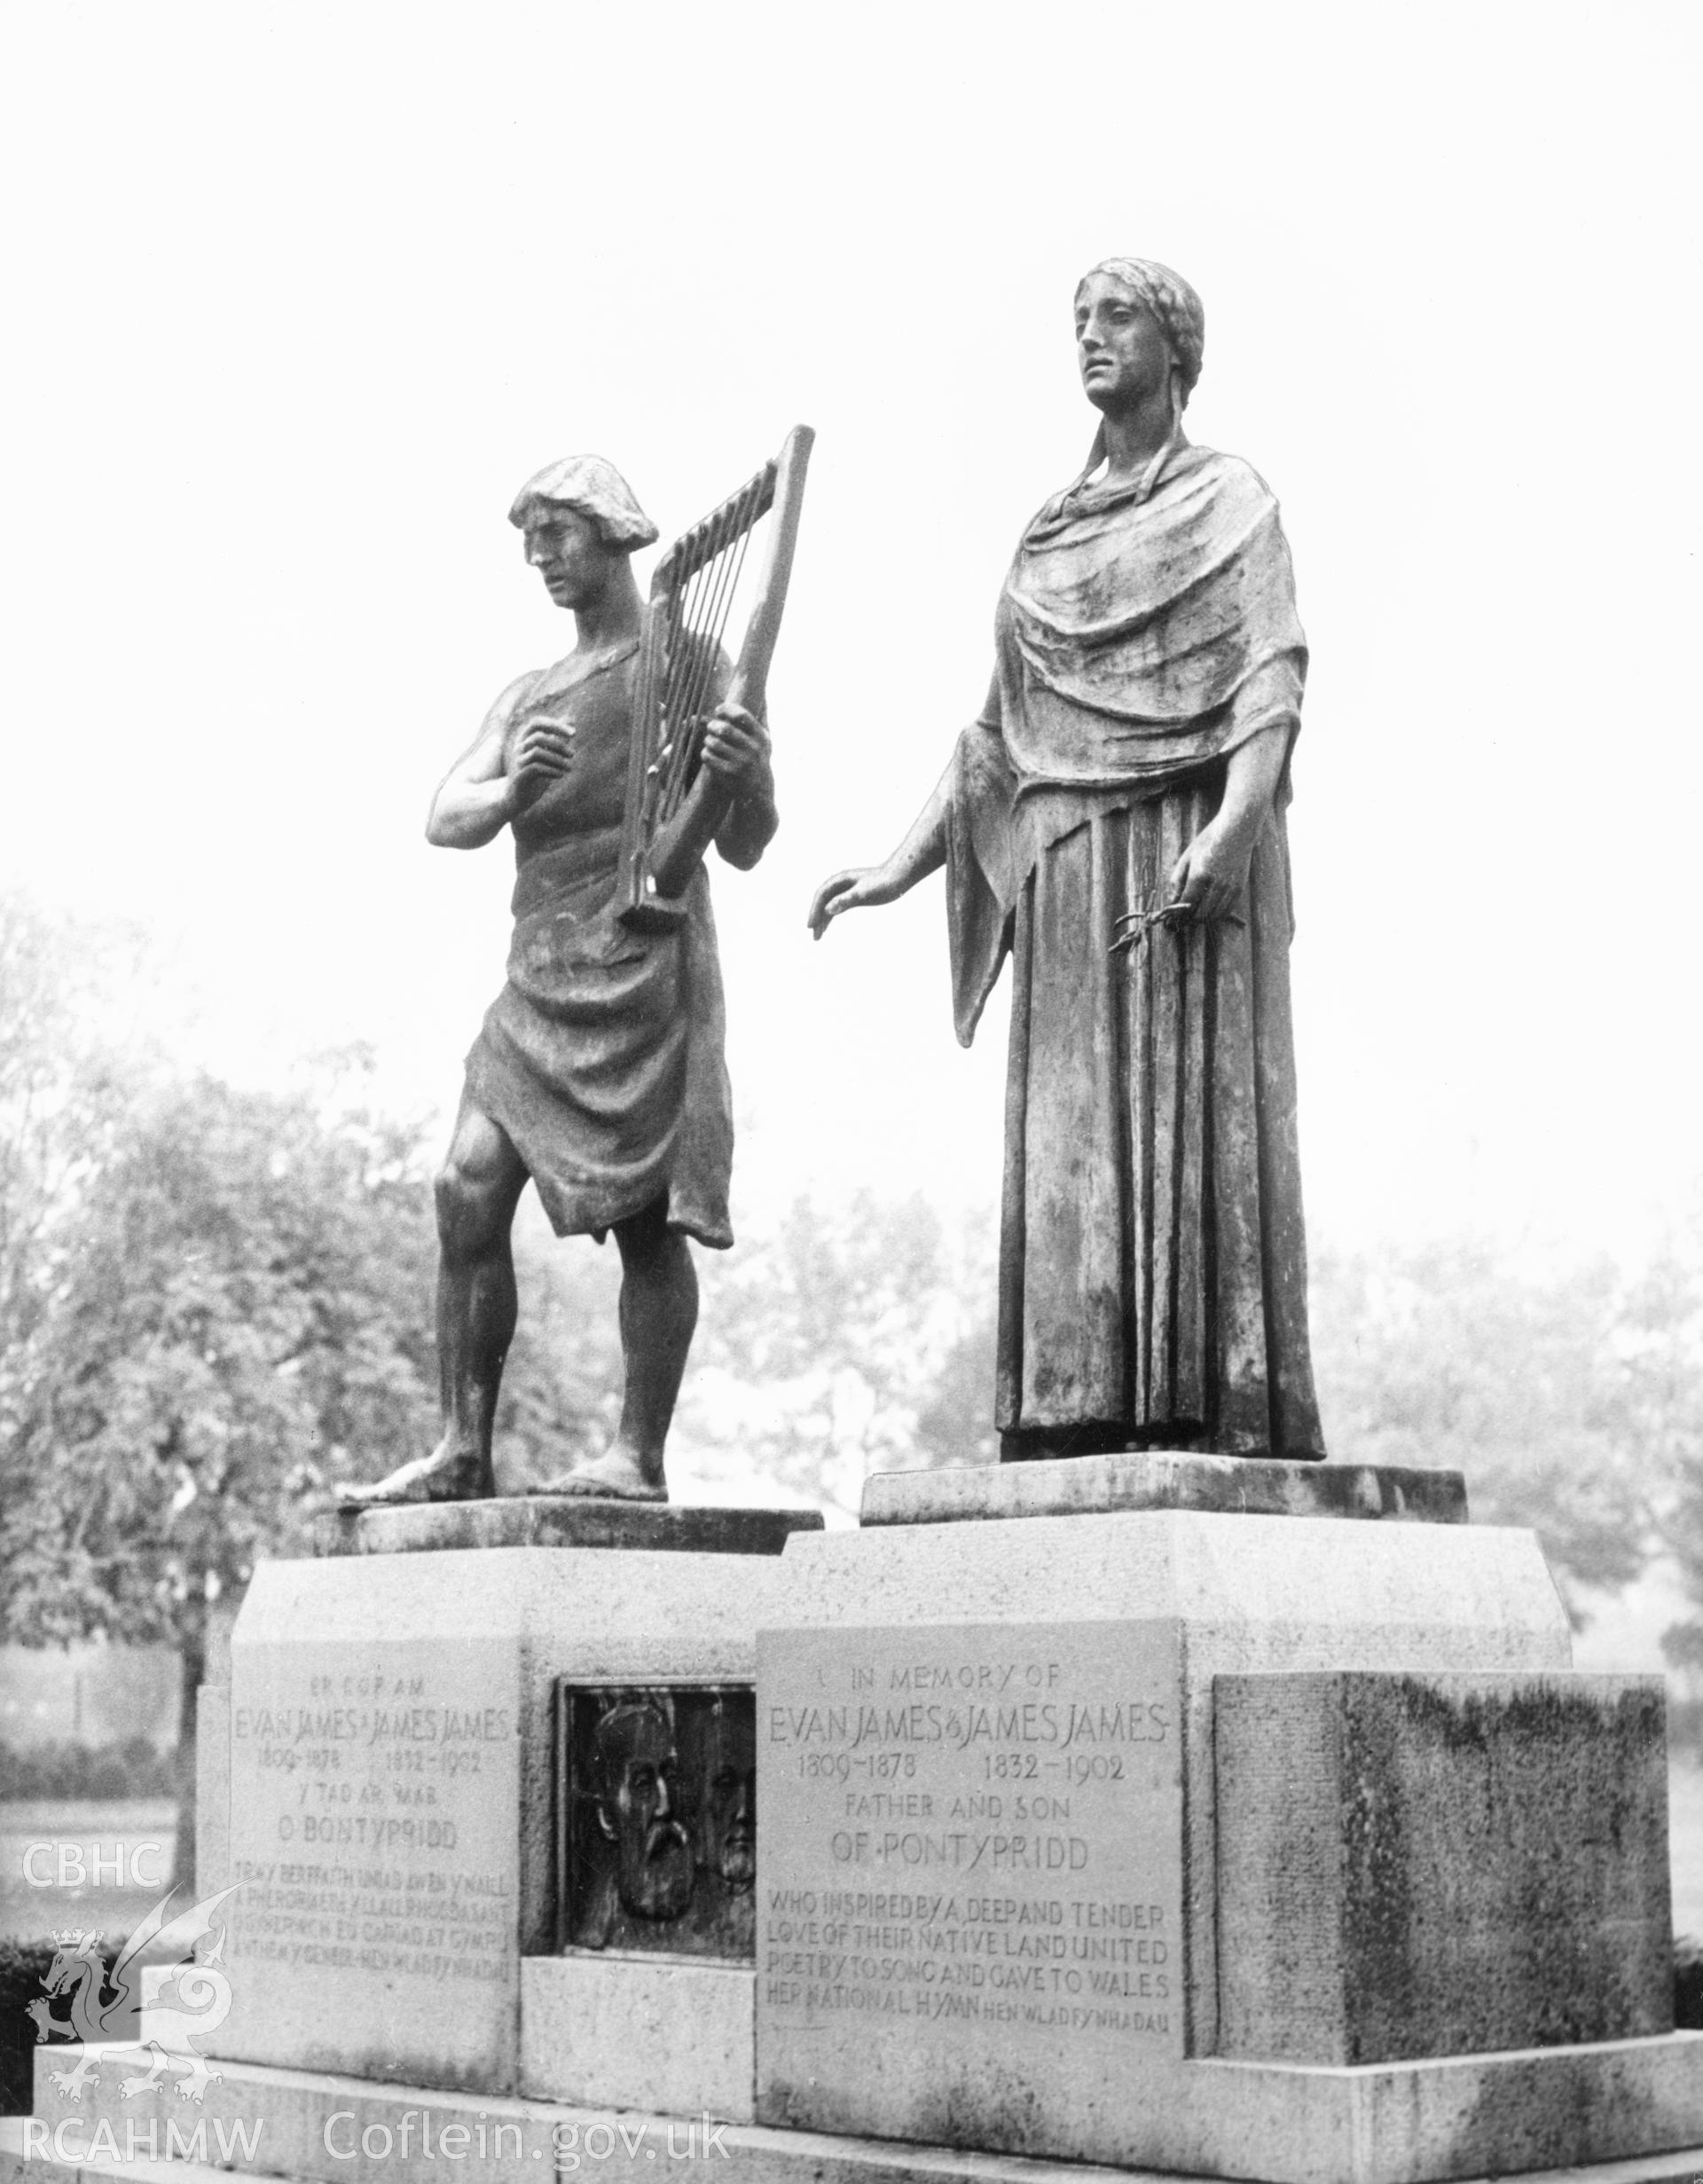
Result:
[[637, 1766], [727, 1814]]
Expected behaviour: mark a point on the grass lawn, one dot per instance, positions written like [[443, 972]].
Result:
[[29, 1913]]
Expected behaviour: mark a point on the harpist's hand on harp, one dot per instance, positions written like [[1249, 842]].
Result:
[[736, 746]]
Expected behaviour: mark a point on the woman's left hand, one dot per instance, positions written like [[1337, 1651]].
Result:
[[1209, 877]]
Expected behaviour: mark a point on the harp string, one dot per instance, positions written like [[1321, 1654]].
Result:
[[698, 592], [703, 622], [708, 648], [734, 565], [700, 637], [737, 527], [706, 651], [676, 721], [665, 717]]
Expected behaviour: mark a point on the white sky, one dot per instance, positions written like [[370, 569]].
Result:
[[302, 294]]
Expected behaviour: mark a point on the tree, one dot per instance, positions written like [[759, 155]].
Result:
[[241, 1310], [213, 1303], [1459, 1354], [843, 1340], [62, 1094], [1662, 1349]]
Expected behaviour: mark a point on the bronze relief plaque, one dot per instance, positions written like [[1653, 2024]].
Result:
[[656, 1819]]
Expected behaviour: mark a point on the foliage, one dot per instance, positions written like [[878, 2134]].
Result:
[[851, 1338], [23, 1968], [130, 1769], [1662, 1346], [210, 1299], [241, 1308], [1457, 1354], [845, 1339], [214, 1301], [1688, 1985], [61, 1099]]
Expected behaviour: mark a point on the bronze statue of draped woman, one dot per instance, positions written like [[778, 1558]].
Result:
[[1114, 821]]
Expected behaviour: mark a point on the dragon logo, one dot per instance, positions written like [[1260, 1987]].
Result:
[[159, 1997]]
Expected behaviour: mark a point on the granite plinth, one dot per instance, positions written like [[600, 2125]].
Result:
[[559, 1521], [1095, 1485], [1467, 2118], [972, 1837], [1416, 1865]]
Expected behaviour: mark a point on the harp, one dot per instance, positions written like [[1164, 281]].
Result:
[[674, 808]]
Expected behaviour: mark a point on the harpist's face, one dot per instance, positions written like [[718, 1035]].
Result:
[[1120, 346], [566, 550]]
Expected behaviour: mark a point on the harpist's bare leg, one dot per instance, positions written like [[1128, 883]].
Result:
[[478, 1189], [659, 1309]]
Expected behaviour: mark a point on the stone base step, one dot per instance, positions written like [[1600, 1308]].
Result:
[[314, 2128], [21, 2164]]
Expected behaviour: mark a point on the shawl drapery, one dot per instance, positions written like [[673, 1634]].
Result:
[[602, 1057], [1153, 1280]]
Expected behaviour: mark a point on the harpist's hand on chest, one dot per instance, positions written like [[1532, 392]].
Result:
[[593, 793]]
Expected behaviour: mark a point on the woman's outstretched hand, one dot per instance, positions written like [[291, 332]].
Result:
[[861, 888]]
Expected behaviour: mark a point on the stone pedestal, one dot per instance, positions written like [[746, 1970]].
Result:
[[378, 1784], [1187, 1816], [993, 1877]]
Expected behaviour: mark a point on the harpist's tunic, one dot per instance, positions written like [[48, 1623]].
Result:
[[602, 1056], [1153, 1279]]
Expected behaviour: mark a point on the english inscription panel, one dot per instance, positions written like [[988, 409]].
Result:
[[375, 1835], [972, 1865]]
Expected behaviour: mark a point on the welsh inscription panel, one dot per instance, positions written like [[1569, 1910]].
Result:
[[375, 1835], [972, 1860]]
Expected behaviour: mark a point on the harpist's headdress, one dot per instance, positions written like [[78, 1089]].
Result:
[[593, 488], [1180, 312]]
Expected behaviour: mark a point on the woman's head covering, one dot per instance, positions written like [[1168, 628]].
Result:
[[593, 488], [1180, 312]]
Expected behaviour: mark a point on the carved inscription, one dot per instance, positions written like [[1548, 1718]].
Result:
[[372, 1815], [971, 1836]]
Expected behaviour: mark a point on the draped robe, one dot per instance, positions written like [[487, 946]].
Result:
[[1153, 1278], [603, 1055]]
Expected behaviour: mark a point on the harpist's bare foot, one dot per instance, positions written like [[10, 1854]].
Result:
[[448, 1474], [616, 1477]]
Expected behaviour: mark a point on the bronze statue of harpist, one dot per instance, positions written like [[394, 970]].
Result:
[[1115, 821], [599, 1072]]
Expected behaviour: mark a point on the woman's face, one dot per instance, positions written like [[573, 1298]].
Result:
[[1120, 346]]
